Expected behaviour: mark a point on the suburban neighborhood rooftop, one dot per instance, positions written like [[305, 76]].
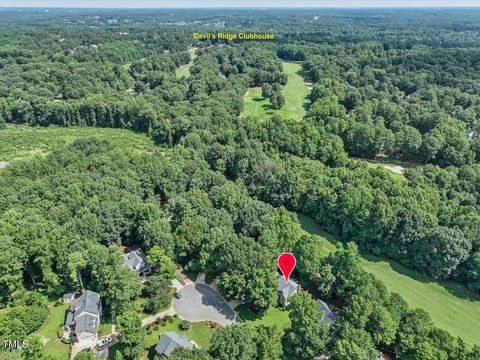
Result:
[[170, 341]]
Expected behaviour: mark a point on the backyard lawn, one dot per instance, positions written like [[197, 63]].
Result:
[[48, 331], [199, 332], [451, 306], [295, 93], [273, 316]]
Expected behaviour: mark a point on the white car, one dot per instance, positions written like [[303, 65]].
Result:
[[106, 341]]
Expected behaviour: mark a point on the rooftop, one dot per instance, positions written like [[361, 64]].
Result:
[[135, 261], [286, 288], [89, 302], [328, 315], [170, 341]]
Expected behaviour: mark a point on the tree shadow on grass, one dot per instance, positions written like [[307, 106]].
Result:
[[247, 314], [152, 354], [267, 108], [300, 72], [454, 288], [306, 105]]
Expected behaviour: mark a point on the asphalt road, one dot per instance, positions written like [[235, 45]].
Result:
[[199, 302]]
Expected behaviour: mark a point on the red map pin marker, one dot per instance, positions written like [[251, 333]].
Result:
[[286, 262]]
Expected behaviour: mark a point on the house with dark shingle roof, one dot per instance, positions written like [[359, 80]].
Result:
[[286, 289], [135, 261], [328, 315], [169, 341], [83, 316]]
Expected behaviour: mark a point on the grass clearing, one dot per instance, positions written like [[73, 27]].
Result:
[[199, 332], [295, 93], [25, 142], [184, 70], [54, 347], [273, 316], [451, 306], [395, 168]]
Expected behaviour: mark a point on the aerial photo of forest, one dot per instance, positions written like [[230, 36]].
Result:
[[150, 177]]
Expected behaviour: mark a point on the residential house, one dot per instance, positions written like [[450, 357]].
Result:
[[286, 289], [169, 341], [83, 316], [68, 297], [328, 315], [470, 134], [382, 356], [135, 261]]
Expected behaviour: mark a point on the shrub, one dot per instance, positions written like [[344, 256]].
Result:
[[170, 320], [175, 316], [164, 323], [157, 321], [155, 328], [184, 325], [149, 332]]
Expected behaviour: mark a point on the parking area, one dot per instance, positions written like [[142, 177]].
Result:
[[199, 302]]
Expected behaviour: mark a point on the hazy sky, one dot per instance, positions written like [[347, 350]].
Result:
[[241, 3]]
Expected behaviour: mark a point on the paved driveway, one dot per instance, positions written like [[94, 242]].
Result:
[[199, 302]]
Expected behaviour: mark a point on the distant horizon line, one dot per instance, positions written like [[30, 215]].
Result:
[[243, 7]]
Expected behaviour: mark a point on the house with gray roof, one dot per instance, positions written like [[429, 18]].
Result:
[[328, 315], [470, 133], [83, 316], [135, 261], [169, 341], [68, 297], [286, 289]]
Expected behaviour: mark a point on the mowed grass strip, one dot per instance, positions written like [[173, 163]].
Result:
[[184, 70], [54, 347], [24, 142], [452, 306], [295, 93]]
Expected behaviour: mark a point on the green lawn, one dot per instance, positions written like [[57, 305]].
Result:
[[451, 306], [295, 93], [393, 167], [26, 142], [54, 347], [184, 70], [199, 332], [273, 316]]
